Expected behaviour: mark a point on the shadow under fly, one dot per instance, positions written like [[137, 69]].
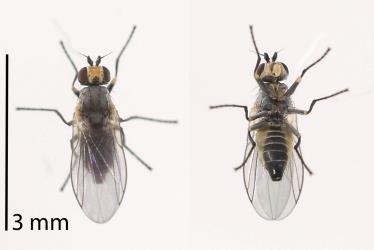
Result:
[[273, 166], [98, 166]]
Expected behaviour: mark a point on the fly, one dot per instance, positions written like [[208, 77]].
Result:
[[273, 166], [98, 170]]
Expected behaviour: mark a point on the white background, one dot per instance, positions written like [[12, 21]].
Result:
[[185, 56]]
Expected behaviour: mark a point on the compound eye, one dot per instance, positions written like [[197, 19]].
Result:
[[285, 68], [260, 69], [82, 76], [106, 75]]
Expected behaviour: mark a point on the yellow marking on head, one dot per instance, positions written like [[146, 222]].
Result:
[[277, 70], [95, 74], [273, 70]]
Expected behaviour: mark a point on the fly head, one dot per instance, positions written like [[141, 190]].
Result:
[[94, 74], [272, 71]]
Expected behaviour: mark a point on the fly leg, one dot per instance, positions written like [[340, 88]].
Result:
[[65, 182], [72, 141], [249, 153], [259, 125], [293, 87], [297, 146], [73, 88], [257, 77], [247, 116], [306, 112], [64, 121], [140, 118], [138, 157], [135, 117], [113, 82], [49, 110], [123, 144]]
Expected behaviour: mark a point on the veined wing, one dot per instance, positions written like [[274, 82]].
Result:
[[98, 171]]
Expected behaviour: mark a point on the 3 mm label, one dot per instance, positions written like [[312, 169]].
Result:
[[39, 223]]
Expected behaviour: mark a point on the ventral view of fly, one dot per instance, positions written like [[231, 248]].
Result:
[[273, 166], [98, 171]]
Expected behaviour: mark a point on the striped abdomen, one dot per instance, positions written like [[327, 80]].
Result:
[[275, 152]]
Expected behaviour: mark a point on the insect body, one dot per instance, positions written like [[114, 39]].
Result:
[[273, 166], [98, 171], [98, 164]]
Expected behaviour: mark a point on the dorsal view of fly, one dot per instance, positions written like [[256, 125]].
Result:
[[98, 171], [273, 166]]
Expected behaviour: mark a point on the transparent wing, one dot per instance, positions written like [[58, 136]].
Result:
[[98, 171], [273, 200]]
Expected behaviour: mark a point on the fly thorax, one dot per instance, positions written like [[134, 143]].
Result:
[[95, 106], [277, 90], [277, 110]]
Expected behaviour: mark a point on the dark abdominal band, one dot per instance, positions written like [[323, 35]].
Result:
[[275, 150]]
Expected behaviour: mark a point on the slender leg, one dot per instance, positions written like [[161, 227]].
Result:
[[306, 112], [73, 88], [137, 157], [296, 147], [256, 126], [247, 116], [147, 119], [257, 77], [123, 144], [259, 115], [113, 82], [65, 182], [298, 80], [64, 121], [249, 153], [72, 140], [49, 110], [257, 52], [232, 106]]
